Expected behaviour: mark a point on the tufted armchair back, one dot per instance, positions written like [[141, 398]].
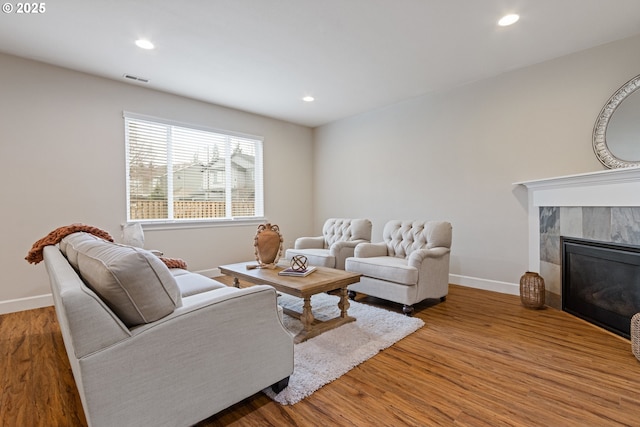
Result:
[[345, 230], [404, 237]]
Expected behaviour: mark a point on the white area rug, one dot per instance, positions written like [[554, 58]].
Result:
[[324, 358]]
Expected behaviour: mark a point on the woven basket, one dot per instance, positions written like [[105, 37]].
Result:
[[532, 290], [635, 335]]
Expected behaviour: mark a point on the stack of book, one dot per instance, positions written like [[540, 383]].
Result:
[[298, 273]]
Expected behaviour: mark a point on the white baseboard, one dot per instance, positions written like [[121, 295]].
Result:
[[22, 304], [30, 303], [456, 279], [485, 284]]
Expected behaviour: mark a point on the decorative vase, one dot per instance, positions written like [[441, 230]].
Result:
[[268, 245], [635, 335], [532, 290]]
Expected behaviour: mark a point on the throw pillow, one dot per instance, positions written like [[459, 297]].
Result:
[[70, 243], [133, 282]]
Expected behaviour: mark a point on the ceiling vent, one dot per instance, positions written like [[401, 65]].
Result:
[[136, 78]]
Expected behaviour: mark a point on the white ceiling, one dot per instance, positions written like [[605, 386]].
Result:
[[263, 56]]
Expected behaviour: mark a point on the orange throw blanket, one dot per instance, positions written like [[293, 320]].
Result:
[[35, 254]]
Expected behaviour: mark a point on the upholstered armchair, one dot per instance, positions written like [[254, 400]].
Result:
[[411, 264], [338, 241]]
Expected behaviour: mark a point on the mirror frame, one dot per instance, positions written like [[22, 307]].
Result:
[[600, 147]]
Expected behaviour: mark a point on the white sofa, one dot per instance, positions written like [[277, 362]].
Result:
[[339, 238], [410, 265], [150, 346]]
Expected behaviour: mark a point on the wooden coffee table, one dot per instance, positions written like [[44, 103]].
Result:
[[322, 280]]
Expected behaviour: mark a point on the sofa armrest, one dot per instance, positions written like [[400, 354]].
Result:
[[309, 243], [345, 244], [417, 257], [218, 348], [342, 250], [368, 250], [215, 298]]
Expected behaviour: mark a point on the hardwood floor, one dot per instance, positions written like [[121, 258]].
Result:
[[481, 360]]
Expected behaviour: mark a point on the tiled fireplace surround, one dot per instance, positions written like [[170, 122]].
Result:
[[602, 206]]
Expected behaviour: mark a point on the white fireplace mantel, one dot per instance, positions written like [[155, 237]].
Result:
[[613, 187]]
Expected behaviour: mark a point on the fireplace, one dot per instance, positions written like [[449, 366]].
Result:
[[601, 282], [602, 205]]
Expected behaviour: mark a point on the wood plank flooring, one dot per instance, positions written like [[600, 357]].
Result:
[[481, 360]]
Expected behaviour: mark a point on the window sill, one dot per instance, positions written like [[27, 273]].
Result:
[[205, 223]]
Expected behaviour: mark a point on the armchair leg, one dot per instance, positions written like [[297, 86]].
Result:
[[407, 310], [352, 295], [280, 385]]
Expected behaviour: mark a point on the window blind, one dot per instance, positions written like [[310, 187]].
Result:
[[176, 172]]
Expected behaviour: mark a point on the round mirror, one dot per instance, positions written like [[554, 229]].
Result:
[[616, 134]]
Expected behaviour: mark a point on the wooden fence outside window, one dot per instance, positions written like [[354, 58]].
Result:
[[188, 209]]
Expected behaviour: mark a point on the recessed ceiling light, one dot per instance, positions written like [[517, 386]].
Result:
[[308, 98], [136, 78], [507, 20], [144, 44]]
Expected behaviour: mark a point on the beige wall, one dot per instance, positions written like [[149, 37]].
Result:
[[454, 156], [62, 161]]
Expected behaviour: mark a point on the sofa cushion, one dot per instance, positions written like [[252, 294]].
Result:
[[345, 229], [133, 282], [387, 268], [69, 246], [319, 257], [404, 237], [193, 283]]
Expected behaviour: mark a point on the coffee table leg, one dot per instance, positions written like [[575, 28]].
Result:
[[343, 304], [312, 327], [307, 318]]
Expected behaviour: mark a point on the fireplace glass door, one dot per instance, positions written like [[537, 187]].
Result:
[[601, 282]]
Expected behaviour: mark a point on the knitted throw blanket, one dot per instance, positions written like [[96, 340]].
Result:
[[35, 254]]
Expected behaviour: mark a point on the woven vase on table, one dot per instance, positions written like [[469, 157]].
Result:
[[268, 245]]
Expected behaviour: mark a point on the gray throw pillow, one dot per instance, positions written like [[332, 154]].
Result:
[[69, 246], [133, 282]]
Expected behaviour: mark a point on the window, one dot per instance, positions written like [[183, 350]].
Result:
[[179, 173]]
